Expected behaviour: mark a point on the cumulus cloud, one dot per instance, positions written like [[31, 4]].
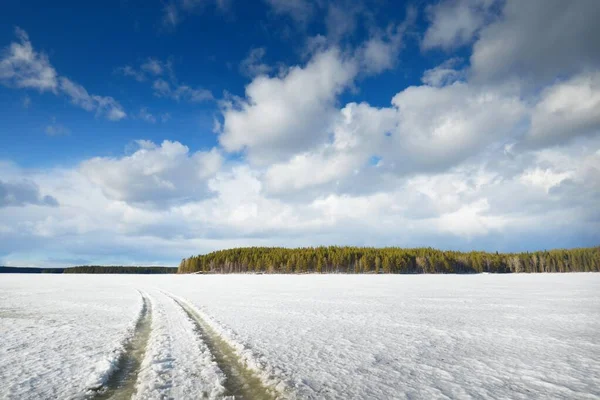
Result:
[[444, 74], [454, 23], [522, 42], [281, 115], [356, 134], [341, 19], [22, 67], [154, 174], [426, 129], [438, 127], [381, 51], [566, 110], [464, 207], [15, 194]]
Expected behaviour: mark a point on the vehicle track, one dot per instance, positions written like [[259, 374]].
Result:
[[121, 384], [240, 381]]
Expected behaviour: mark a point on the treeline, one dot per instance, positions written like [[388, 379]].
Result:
[[32, 270], [390, 260], [90, 269], [100, 269]]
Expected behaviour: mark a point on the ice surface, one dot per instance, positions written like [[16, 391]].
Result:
[[316, 336], [425, 336], [61, 335]]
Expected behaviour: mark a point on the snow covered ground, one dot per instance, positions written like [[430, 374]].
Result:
[[61, 335], [309, 336]]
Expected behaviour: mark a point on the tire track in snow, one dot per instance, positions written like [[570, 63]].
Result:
[[121, 384], [240, 381], [178, 364]]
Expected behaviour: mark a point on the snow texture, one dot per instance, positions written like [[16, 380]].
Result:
[[61, 336], [426, 336], [310, 336], [178, 365]]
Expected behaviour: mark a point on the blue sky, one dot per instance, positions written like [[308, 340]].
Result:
[[140, 133], [205, 50]]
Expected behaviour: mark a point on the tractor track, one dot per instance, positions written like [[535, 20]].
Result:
[[121, 384], [241, 382]]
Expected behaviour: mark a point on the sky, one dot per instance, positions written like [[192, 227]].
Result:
[[141, 132]]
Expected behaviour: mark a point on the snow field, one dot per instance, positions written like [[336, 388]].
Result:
[[423, 337], [309, 337], [61, 335]]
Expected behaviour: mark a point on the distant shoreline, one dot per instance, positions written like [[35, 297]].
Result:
[[90, 269], [353, 260]]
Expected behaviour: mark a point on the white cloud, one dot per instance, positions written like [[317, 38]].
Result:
[[524, 43], [128, 70], [379, 54], [104, 209], [470, 220], [454, 23], [543, 178], [153, 66], [21, 193], [154, 174], [26, 102], [175, 10], [298, 10], [165, 82], [381, 51], [341, 19], [356, 133], [427, 129], [566, 110], [309, 169], [252, 65], [444, 74], [56, 129], [282, 115], [147, 116], [21, 66], [181, 92], [102, 105], [171, 15], [439, 127]]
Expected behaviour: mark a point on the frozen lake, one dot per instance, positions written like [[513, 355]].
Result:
[[303, 336]]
